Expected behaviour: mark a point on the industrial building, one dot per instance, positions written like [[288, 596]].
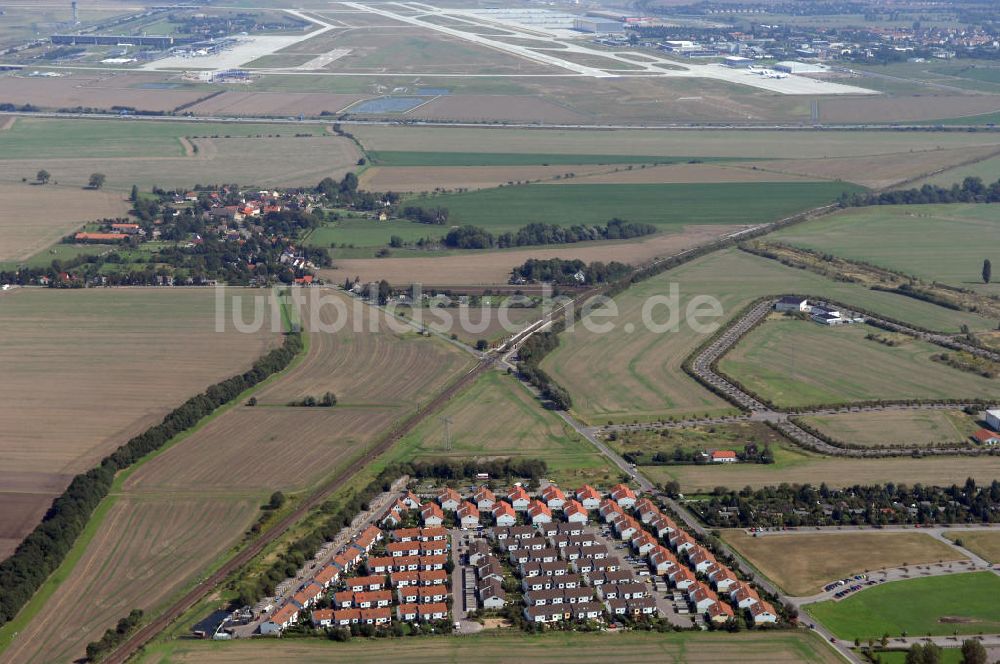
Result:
[[157, 41], [597, 25], [793, 67], [737, 62]]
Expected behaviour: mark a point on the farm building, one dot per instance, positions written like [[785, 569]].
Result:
[[986, 437], [723, 456], [993, 419], [792, 303]]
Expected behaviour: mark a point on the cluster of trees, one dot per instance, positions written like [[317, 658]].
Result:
[[972, 652], [328, 400], [808, 505], [750, 453], [44, 549], [559, 271], [530, 355], [436, 215], [972, 190], [442, 469], [474, 237], [113, 637], [345, 193]]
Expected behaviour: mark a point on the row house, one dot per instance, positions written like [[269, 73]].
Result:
[[430, 534], [307, 595], [539, 512], [611, 577], [568, 541], [346, 617], [518, 498], [422, 612], [623, 495], [525, 544], [362, 583], [327, 576], [538, 568], [491, 594], [556, 529], [633, 607], [467, 515], [548, 582], [368, 538], [574, 512], [553, 497], [363, 600], [558, 596], [627, 590], [282, 619], [479, 549], [427, 578], [588, 497], [610, 510], [720, 612], [484, 499], [512, 532], [504, 514], [348, 559], [489, 568], [422, 594]]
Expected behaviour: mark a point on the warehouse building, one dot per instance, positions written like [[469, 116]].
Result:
[[597, 25], [793, 67]]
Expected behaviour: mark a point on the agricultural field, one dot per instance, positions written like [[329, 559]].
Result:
[[896, 169], [941, 606], [987, 169], [469, 324], [101, 90], [101, 356], [896, 427], [801, 563], [635, 373], [226, 469], [783, 647], [799, 363], [498, 417], [172, 154], [933, 242], [985, 544], [441, 159], [907, 108], [494, 267], [26, 232], [659, 144], [362, 365], [798, 466], [664, 205]]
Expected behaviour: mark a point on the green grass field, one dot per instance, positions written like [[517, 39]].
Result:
[[799, 363], [368, 233], [908, 427], [945, 243], [782, 647], [623, 375], [942, 605], [31, 138], [401, 158], [665, 205], [988, 170], [498, 417], [948, 656]]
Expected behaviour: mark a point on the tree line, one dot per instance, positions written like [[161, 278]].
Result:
[[44, 549], [564, 272], [114, 636], [876, 505], [475, 237], [972, 190], [530, 355]]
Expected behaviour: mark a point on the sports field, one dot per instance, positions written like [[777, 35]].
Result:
[[802, 563], [664, 205], [795, 466], [940, 606], [892, 427], [635, 372], [934, 242], [783, 647], [800, 363], [115, 362], [498, 417], [33, 217], [985, 544]]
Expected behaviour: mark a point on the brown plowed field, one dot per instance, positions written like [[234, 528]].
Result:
[[494, 107], [382, 368], [85, 370], [262, 448], [34, 217], [494, 267], [274, 103], [906, 109], [180, 510], [682, 173], [429, 178], [95, 91], [145, 549], [877, 171]]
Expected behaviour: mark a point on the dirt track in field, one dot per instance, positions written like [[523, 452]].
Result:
[[494, 267]]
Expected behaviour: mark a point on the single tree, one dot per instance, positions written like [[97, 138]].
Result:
[[43, 176], [97, 180], [277, 500], [134, 196], [987, 271], [973, 652]]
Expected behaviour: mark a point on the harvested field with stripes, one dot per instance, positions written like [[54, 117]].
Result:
[[144, 550]]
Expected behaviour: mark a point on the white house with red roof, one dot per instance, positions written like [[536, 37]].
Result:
[[588, 497], [484, 499], [554, 497], [623, 495], [449, 499], [539, 512], [504, 514], [468, 515], [518, 498], [575, 512], [762, 613], [431, 514], [723, 456]]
